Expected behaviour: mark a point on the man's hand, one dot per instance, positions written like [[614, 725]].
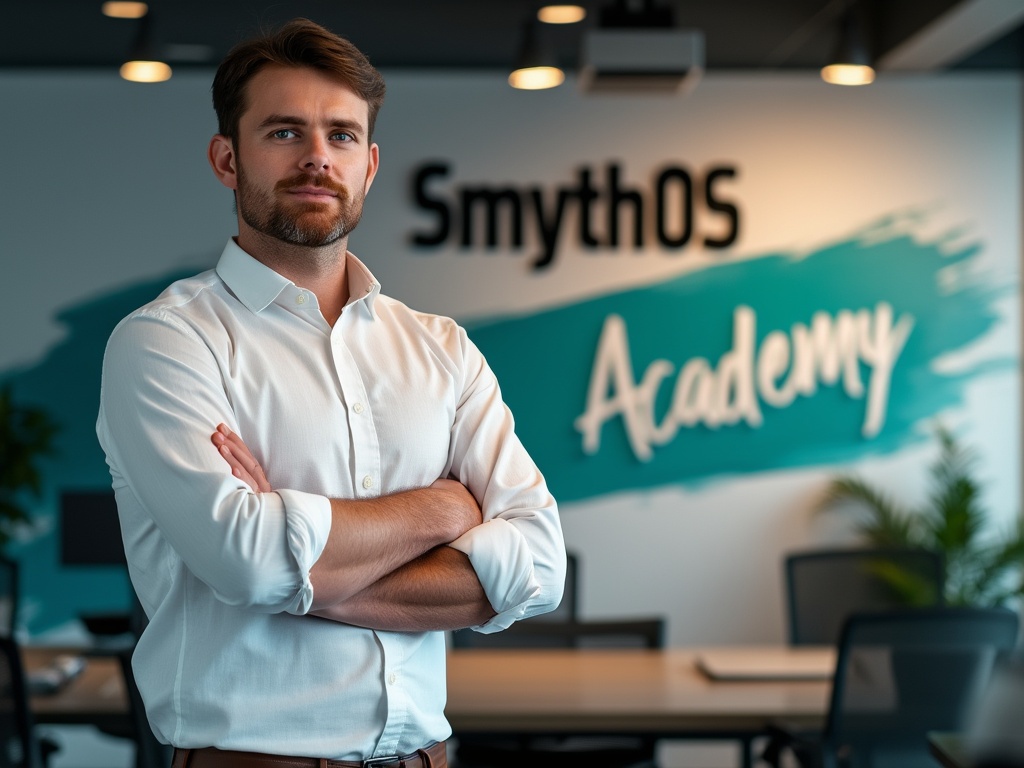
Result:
[[452, 494], [238, 456]]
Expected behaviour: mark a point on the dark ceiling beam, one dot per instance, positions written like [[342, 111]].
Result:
[[962, 29]]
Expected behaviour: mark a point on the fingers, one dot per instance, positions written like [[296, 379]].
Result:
[[240, 459]]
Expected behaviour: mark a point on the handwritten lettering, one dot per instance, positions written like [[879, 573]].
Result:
[[784, 367]]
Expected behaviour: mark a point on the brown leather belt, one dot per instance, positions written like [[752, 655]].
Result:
[[432, 756]]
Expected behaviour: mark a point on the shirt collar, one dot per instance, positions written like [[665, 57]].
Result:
[[362, 285], [257, 286]]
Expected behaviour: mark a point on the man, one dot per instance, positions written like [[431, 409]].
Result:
[[363, 488]]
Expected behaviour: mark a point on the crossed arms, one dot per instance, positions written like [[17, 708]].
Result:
[[388, 566], [311, 542]]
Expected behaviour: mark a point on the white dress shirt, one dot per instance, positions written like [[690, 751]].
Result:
[[387, 400]]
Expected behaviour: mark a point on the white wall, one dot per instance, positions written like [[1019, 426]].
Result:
[[106, 185]]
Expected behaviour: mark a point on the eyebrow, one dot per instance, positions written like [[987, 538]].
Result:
[[348, 125]]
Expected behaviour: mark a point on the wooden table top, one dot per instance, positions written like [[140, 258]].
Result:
[[96, 696], [617, 691], [536, 691]]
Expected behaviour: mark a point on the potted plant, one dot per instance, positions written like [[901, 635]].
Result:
[[980, 570], [26, 435]]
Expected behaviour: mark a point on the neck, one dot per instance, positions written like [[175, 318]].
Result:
[[320, 270]]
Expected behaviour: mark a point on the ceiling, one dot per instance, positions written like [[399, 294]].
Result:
[[915, 35]]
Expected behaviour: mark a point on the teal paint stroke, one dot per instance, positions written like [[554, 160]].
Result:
[[544, 360], [67, 384]]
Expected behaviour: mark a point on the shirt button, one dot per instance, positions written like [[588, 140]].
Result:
[[392, 678], [358, 407], [300, 299], [367, 482]]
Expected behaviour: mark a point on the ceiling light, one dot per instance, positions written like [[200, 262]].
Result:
[[536, 68], [144, 63], [848, 74], [142, 71], [562, 14], [851, 62], [536, 78], [125, 10]]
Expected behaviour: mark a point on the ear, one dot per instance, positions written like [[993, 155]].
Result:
[[371, 167], [221, 154]]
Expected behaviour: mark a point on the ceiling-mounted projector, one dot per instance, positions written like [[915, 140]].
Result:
[[631, 60]]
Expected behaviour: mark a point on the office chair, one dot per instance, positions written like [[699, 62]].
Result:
[[19, 747], [567, 610], [149, 752], [823, 587], [608, 751], [9, 593], [994, 738], [900, 674], [532, 633], [565, 613]]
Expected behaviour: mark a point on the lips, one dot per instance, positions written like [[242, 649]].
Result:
[[312, 193], [312, 189]]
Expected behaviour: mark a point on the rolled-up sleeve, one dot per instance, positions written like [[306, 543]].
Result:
[[518, 553], [162, 395]]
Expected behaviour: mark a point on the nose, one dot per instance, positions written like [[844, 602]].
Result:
[[316, 157]]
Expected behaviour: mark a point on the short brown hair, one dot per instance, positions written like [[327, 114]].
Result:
[[299, 43]]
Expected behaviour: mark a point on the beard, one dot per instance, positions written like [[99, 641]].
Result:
[[310, 224]]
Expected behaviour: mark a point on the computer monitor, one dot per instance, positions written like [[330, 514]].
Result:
[[90, 533]]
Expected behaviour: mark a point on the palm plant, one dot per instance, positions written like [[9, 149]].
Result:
[[26, 434], [980, 570]]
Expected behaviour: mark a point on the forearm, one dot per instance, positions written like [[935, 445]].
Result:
[[372, 538], [437, 591]]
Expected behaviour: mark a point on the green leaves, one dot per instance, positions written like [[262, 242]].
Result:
[[26, 435], [887, 526], [978, 571]]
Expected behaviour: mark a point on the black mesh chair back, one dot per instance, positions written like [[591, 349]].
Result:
[[901, 674], [149, 752], [530, 633], [8, 596], [824, 587], [551, 752], [18, 748]]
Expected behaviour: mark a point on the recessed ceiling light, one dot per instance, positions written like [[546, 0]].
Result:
[[125, 10], [562, 14]]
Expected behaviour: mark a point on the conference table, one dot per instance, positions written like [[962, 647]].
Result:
[[658, 693], [97, 696], [655, 692]]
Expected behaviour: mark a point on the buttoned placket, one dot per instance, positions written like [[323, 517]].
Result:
[[366, 469], [367, 482], [396, 694], [367, 477]]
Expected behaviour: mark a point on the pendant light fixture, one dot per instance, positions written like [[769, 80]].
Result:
[[145, 63], [536, 68], [561, 14], [124, 10], [851, 62]]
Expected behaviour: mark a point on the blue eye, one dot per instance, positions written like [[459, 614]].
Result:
[[342, 136], [284, 133]]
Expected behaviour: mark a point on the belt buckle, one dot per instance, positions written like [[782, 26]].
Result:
[[379, 761]]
